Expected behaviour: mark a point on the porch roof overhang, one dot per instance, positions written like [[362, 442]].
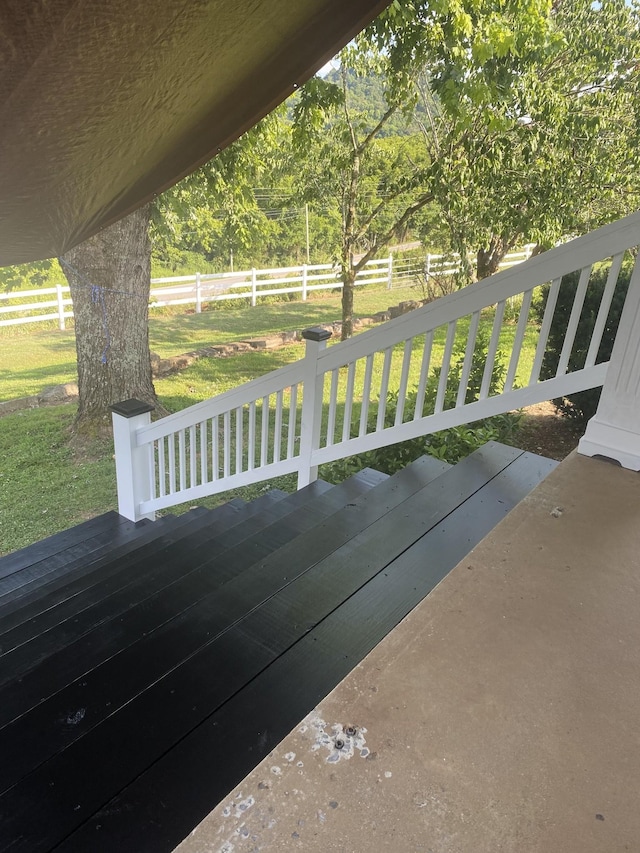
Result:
[[103, 106]]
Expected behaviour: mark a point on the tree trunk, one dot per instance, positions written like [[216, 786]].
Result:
[[488, 260], [348, 284], [109, 278]]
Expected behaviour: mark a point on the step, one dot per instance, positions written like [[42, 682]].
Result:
[[57, 669], [413, 510], [43, 593], [260, 714], [107, 523]]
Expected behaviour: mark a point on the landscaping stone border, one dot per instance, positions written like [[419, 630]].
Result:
[[54, 395]]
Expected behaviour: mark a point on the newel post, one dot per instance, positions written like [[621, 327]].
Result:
[[132, 462], [316, 338], [614, 430]]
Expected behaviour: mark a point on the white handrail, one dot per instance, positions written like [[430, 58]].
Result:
[[335, 402]]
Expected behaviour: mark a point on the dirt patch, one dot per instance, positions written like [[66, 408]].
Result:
[[545, 432]]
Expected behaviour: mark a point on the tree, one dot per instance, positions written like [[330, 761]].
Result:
[[109, 278], [375, 183], [537, 132]]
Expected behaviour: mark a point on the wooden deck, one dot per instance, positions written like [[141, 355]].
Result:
[[146, 670]]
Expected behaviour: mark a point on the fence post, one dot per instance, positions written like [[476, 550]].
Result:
[[304, 282], [198, 295], [316, 338], [60, 307], [390, 278], [133, 474], [253, 288], [427, 266]]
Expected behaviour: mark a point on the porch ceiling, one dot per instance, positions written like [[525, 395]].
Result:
[[501, 715], [103, 105]]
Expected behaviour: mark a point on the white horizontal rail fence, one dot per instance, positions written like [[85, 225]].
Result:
[[198, 289], [406, 378], [40, 305]]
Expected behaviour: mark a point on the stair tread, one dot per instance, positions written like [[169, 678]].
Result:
[[43, 593], [56, 669], [30, 643], [275, 700], [259, 641]]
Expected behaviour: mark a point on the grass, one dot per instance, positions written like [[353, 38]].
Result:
[[44, 487], [33, 358]]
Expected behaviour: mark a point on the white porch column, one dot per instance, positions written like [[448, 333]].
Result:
[[614, 431]]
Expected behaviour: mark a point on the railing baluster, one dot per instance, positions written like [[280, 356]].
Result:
[[204, 454], [192, 456], [468, 359], [521, 328], [574, 319], [171, 439], [251, 451], [277, 435], [162, 482], [404, 380], [293, 421], [545, 326], [215, 448], [384, 387], [487, 376], [348, 402], [264, 442], [366, 395], [603, 311], [333, 402], [226, 439], [239, 442], [182, 460], [444, 371], [153, 490], [424, 374]]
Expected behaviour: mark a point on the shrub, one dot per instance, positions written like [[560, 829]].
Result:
[[451, 444], [582, 405]]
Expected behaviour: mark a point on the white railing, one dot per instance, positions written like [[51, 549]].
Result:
[[391, 383]]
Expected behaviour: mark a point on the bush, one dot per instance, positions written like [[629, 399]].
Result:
[[580, 407], [451, 444]]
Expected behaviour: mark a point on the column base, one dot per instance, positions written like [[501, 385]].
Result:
[[603, 439]]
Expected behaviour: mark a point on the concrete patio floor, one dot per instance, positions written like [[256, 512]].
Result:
[[503, 714]]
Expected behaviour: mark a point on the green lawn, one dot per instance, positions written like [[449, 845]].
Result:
[[32, 357], [45, 488]]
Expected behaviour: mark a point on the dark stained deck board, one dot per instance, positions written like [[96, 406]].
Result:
[[59, 669], [126, 569], [35, 639], [12, 576], [51, 587], [317, 592], [108, 522], [256, 718]]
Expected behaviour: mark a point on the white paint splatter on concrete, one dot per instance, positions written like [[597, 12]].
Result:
[[340, 740], [243, 806]]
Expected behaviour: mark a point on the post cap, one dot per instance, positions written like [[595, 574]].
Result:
[[316, 333], [131, 408]]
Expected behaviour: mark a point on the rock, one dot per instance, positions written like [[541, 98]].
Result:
[[55, 394], [382, 317], [9, 406], [409, 305]]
